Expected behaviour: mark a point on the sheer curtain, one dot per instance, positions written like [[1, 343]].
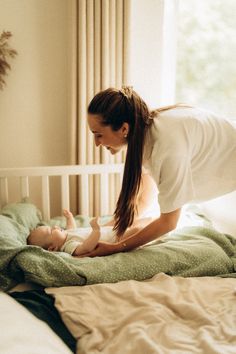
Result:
[[101, 36]]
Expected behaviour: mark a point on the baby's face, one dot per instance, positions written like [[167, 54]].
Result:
[[51, 238], [58, 237]]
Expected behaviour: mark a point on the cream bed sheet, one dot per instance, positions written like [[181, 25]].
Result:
[[162, 315]]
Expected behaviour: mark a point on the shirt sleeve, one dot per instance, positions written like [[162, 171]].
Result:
[[174, 182]]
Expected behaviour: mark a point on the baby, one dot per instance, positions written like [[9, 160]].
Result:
[[77, 241], [68, 240], [73, 240]]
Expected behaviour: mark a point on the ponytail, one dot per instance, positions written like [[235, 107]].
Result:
[[116, 107]]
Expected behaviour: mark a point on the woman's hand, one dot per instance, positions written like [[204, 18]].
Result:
[[103, 249]]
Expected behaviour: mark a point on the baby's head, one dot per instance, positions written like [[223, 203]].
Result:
[[49, 238]]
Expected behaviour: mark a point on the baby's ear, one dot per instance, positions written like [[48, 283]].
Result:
[[52, 248]]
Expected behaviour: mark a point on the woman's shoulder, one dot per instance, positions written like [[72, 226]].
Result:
[[172, 119], [187, 111], [170, 129], [185, 117], [178, 112]]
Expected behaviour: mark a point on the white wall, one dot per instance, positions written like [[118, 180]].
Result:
[[35, 104]]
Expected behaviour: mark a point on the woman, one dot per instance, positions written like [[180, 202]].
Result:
[[190, 153]]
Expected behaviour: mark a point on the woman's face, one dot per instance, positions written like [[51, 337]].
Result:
[[112, 140]]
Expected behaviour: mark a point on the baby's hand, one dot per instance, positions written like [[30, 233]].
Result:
[[67, 213], [94, 224]]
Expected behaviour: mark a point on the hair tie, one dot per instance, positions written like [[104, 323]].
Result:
[[127, 91]]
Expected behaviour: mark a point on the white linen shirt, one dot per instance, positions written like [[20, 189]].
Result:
[[191, 155]]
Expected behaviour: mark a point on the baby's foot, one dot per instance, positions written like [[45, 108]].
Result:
[[94, 224], [67, 213]]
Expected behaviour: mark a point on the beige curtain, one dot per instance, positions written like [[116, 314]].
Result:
[[100, 60]]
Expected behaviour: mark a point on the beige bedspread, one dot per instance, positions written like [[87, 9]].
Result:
[[162, 315]]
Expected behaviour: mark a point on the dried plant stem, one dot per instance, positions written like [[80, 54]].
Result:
[[6, 52]]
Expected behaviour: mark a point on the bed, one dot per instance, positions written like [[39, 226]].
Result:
[[175, 295]]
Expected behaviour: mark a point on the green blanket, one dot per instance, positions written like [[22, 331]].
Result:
[[188, 252]]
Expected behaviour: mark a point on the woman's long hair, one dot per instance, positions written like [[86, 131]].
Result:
[[115, 108]]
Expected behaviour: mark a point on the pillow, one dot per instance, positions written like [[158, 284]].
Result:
[[12, 234], [23, 333], [25, 213], [12, 240]]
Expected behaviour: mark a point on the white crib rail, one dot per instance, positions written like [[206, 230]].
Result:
[[84, 171]]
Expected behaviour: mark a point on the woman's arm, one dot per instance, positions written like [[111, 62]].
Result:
[[164, 224]]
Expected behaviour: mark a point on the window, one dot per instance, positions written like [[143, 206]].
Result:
[[206, 55]]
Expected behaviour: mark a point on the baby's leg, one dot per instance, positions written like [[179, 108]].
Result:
[[70, 221], [91, 242]]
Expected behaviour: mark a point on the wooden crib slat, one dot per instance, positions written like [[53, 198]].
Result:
[[120, 178], [46, 198], [104, 194], [24, 186], [84, 194], [3, 191], [65, 192]]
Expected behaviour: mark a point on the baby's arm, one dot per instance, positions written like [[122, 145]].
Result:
[[91, 242], [70, 221]]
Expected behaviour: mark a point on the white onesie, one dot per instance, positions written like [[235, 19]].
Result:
[[75, 237]]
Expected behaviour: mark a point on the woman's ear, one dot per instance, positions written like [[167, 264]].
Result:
[[125, 129]]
